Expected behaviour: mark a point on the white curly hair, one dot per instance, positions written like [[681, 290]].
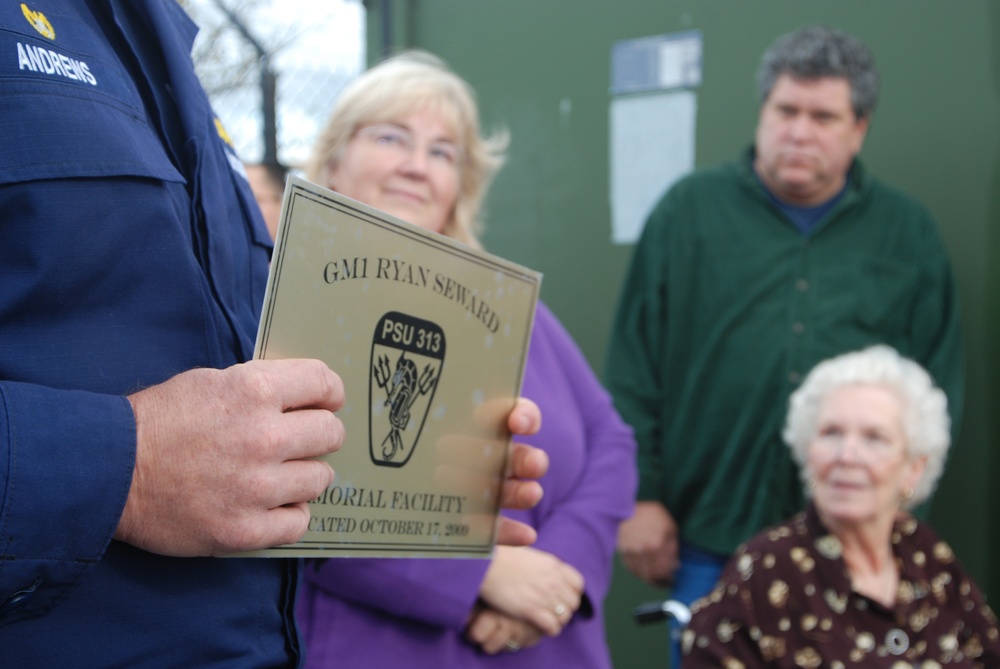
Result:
[[926, 423]]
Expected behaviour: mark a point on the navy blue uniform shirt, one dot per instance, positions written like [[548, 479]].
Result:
[[130, 250]]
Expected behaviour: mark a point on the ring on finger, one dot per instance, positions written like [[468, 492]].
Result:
[[513, 646], [560, 610]]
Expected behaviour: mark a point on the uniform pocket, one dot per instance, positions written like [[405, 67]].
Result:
[[67, 106]]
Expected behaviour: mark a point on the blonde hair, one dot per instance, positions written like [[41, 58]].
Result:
[[405, 83]]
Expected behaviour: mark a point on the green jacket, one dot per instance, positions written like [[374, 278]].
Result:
[[726, 306]]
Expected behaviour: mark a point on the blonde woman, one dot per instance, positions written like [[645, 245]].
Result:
[[405, 138]]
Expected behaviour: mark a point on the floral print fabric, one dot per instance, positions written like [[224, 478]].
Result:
[[785, 600]]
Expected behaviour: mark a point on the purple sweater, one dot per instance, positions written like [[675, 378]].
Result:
[[379, 614]]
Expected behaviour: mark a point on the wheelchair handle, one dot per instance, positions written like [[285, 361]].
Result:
[[654, 612]]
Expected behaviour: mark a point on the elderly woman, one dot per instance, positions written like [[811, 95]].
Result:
[[855, 580], [404, 137]]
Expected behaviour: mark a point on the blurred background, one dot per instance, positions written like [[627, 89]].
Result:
[[608, 102], [273, 68]]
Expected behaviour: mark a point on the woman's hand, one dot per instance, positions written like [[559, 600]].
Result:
[[526, 464], [497, 632], [533, 586]]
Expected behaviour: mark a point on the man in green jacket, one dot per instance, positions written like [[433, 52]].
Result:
[[746, 276]]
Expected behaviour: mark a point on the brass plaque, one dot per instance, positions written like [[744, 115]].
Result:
[[430, 338]]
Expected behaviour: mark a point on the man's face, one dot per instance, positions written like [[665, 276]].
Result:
[[807, 136]]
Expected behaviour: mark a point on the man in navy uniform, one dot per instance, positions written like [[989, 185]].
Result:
[[133, 443]]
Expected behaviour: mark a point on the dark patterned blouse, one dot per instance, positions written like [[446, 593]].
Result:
[[785, 600]]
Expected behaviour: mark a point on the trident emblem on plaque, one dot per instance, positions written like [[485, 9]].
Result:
[[408, 386]]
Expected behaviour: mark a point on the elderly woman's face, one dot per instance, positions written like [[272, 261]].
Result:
[[858, 461], [408, 167]]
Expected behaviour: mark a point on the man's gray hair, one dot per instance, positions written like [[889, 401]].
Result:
[[816, 52]]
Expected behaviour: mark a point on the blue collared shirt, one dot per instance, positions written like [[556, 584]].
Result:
[[130, 250]]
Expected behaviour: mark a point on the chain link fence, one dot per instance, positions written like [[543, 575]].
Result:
[[312, 48]]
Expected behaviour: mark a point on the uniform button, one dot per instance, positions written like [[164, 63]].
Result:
[[793, 377], [19, 599], [798, 328], [802, 285]]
